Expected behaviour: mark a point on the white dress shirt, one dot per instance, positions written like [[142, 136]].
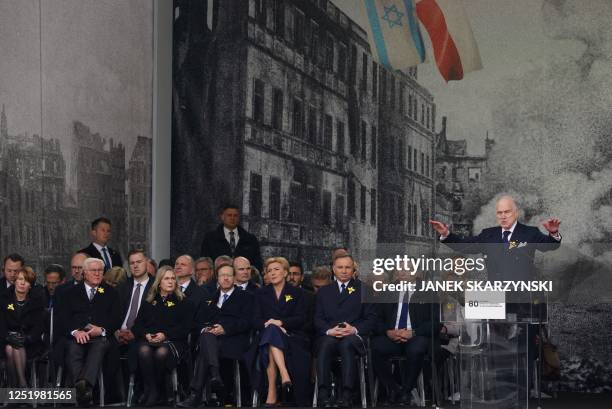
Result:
[[222, 293], [143, 285], [227, 234], [399, 309]]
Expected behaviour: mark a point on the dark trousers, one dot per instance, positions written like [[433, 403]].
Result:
[[84, 360], [414, 351], [328, 348], [208, 356]]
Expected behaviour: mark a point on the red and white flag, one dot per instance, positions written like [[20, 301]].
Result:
[[451, 35]]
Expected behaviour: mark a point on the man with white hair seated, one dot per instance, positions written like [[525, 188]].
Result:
[[92, 313]]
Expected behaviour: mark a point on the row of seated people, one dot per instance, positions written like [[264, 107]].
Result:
[[275, 330]]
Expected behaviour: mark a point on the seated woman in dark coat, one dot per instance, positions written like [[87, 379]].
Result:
[[280, 317], [161, 329], [22, 315]]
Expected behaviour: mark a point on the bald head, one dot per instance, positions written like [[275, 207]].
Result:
[[506, 212]]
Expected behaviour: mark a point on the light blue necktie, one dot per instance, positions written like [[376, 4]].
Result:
[[225, 297]]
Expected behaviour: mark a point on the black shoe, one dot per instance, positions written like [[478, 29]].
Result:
[[286, 396], [397, 396], [216, 384], [346, 400], [84, 393], [192, 401], [328, 403], [214, 403]]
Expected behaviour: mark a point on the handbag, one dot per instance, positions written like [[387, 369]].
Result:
[[15, 339]]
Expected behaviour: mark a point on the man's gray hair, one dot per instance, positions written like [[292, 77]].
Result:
[[207, 260], [91, 260]]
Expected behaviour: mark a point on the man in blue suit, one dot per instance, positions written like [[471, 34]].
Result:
[[510, 250], [510, 247], [341, 320]]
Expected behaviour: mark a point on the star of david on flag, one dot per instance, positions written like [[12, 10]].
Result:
[[396, 41]]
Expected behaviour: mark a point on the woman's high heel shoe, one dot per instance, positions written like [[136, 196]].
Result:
[[286, 395]]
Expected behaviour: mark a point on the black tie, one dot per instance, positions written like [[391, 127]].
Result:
[[232, 242], [343, 286], [506, 235]]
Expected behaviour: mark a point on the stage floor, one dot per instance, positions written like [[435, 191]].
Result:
[[565, 400]]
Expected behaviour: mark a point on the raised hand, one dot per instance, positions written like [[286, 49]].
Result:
[[552, 225], [440, 228]]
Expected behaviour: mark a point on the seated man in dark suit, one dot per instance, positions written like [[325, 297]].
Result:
[[231, 239], [243, 273], [91, 311], [184, 270], [100, 235], [205, 271], [12, 265], [132, 294], [406, 328], [224, 321], [341, 320]]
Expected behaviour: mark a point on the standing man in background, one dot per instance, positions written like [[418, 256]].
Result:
[[100, 235], [232, 240]]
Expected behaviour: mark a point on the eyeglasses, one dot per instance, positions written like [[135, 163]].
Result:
[[97, 270]]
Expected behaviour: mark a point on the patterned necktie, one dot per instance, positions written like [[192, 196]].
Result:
[[107, 262], [506, 235], [232, 241], [92, 293], [133, 307], [225, 297]]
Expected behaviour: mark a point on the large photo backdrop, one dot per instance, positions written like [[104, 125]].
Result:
[[280, 107], [75, 128]]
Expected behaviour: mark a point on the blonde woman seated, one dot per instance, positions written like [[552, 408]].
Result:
[[161, 329], [282, 345]]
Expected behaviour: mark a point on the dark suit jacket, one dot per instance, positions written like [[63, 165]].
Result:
[[195, 293], [172, 317], [31, 320], [235, 316], [4, 290], [504, 263], [215, 245], [77, 311], [124, 292], [424, 314], [290, 308], [252, 288], [92, 251], [333, 308]]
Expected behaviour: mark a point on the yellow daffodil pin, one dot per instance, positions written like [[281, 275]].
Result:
[[10, 307], [170, 304], [100, 290], [350, 290], [288, 298]]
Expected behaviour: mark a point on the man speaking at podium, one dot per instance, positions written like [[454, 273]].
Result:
[[510, 247]]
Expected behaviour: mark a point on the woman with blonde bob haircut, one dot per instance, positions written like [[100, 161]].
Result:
[[282, 345], [161, 330]]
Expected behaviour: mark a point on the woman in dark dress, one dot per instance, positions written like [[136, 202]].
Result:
[[283, 347], [22, 315], [161, 329]]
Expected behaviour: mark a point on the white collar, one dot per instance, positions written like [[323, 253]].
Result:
[[228, 292], [99, 247], [227, 231], [339, 283]]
